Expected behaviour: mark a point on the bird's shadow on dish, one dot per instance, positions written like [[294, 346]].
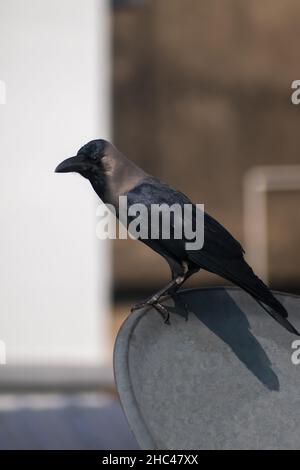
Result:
[[233, 328]]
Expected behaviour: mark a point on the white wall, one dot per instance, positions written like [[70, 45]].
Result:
[[54, 273]]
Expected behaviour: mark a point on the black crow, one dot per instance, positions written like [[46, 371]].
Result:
[[112, 175]]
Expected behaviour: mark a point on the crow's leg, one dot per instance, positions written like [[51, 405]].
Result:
[[154, 300], [161, 309], [171, 288], [173, 291]]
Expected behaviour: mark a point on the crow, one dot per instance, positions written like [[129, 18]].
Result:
[[112, 175]]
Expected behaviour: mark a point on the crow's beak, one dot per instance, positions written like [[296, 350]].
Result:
[[70, 164]]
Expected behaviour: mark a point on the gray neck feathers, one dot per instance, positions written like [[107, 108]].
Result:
[[121, 175]]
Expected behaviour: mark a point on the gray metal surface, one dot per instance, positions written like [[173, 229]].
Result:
[[224, 379]]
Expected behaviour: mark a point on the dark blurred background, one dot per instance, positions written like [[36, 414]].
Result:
[[201, 95], [198, 93]]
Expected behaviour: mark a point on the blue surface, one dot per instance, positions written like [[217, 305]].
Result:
[[30, 423]]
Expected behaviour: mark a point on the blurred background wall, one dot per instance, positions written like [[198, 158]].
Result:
[[54, 298], [202, 95]]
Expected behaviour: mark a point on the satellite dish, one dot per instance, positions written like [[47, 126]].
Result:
[[223, 379]]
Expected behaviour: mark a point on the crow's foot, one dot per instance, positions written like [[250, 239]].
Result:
[[161, 309]]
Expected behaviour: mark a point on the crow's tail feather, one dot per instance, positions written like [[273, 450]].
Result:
[[238, 271], [248, 281]]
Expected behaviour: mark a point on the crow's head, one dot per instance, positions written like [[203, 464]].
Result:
[[88, 161]]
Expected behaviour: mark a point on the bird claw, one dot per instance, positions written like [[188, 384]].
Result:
[[139, 305], [161, 309]]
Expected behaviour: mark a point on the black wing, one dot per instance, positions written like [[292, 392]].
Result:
[[221, 253], [218, 242]]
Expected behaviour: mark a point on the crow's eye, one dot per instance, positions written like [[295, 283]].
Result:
[[94, 158]]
